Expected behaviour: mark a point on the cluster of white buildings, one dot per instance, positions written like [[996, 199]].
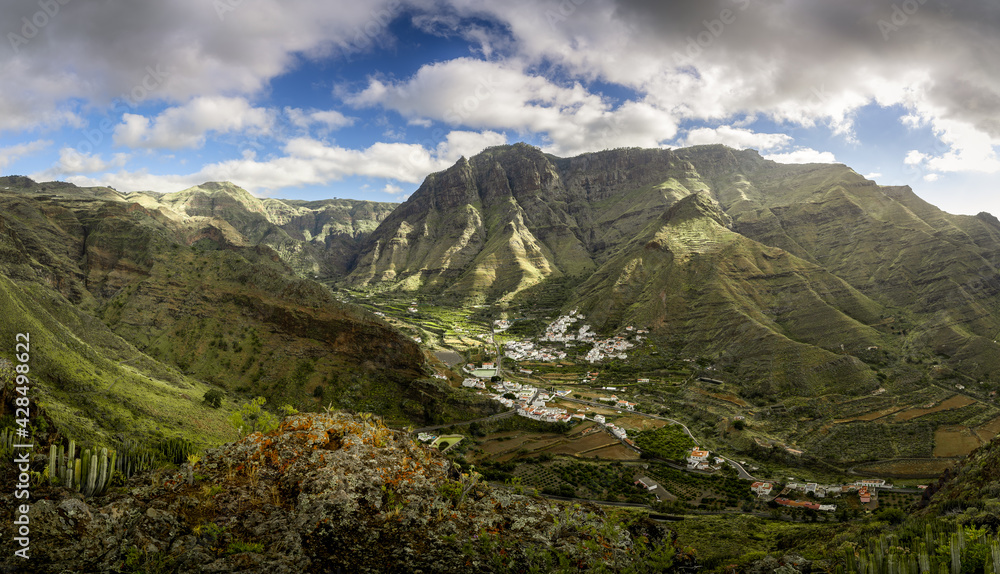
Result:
[[559, 330], [530, 402], [527, 351], [501, 324], [474, 383], [613, 348], [867, 488]]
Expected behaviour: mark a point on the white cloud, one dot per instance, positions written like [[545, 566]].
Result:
[[187, 125], [720, 59], [873, 175], [12, 153], [94, 52], [329, 119], [914, 157], [931, 177], [736, 138], [478, 94], [308, 161], [72, 162], [802, 155]]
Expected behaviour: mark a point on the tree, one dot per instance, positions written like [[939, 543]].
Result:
[[214, 398], [251, 418]]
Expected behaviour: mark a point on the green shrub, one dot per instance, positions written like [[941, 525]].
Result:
[[214, 398]]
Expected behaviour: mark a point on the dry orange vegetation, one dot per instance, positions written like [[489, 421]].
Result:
[[729, 398], [954, 441], [989, 430], [614, 452], [640, 423], [868, 417], [952, 402], [928, 468]]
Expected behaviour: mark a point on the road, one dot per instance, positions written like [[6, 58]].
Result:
[[742, 472]]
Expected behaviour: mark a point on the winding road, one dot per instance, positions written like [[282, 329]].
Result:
[[742, 472]]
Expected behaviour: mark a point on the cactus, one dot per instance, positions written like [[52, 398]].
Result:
[[7, 441], [89, 474]]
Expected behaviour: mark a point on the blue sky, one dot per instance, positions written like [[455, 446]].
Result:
[[311, 99]]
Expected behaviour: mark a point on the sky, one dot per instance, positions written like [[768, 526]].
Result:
[[312, 99]]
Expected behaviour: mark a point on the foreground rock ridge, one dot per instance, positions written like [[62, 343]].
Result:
[[329, 492]]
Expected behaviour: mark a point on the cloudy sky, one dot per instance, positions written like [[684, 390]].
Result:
[[325, 98]]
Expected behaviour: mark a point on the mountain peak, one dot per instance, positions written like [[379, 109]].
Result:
[[696, 206]]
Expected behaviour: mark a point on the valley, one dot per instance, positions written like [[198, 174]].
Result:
[[683, 333]]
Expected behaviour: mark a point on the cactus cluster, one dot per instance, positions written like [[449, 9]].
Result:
[[90, 474], [134, 457], [176, 450], [935, 552]]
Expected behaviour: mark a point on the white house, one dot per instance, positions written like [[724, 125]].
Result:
[[697, 455], [762, 488]]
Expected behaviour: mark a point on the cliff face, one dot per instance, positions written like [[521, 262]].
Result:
[[323, 493], [318, 238], [510, 217]]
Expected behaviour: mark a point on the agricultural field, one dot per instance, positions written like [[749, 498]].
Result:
[[955, 441], [908, 468], [952, 402], [669, 442]]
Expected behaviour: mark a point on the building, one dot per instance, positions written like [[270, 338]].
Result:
[[599, 419], [645, 482], [698, 455], [474, 383], [762, 488], [864, 495], [797, 503]]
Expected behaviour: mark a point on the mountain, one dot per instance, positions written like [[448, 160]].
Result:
[[135, 309], [316, 238], [512, 216], [797, 278]]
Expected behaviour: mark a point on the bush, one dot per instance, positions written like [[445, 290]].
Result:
[[214, 398]]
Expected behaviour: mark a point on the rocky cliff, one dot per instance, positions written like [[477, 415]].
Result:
[[325, 493]]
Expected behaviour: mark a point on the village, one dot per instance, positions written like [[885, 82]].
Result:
[[560, 331], [534, 360]]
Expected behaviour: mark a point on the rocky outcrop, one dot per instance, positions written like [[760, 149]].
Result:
[[323, 493]]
